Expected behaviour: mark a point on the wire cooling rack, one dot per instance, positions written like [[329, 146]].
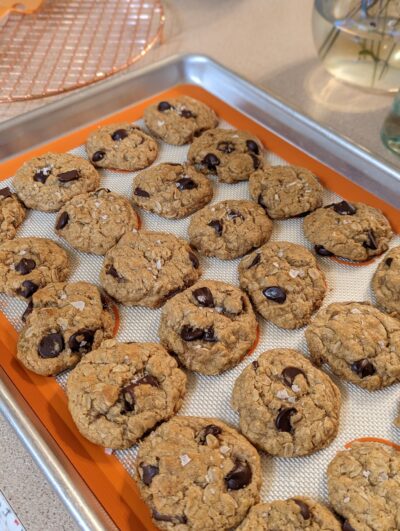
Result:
[[67, 44]]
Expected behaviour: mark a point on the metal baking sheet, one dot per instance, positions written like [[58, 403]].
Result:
[[76, 111]]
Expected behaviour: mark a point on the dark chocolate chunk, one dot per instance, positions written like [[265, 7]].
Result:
[[5, 192], [148, 473], [164, 106], [256, 261], [282, 421], [204, 297], [388, 261], [240, 476], [82, 340], [211, 429], [185, 113], [27, 312], [344, 208], [25, 266], [186, 183], [217, 225], [253, 147], [119, 134], [363, 368], [189, 333], [68, 176], [27, 289], [114, 273], [209, 335], [62, 221], [140, 192], [275, 293], [226, 147], [320, 249], [99, 155], [51, 346], [255, 364], [233, 214], [195, 261], [211, 161], [42, 175], [304, 509], [290, 373], [174, 519], [370, 243]]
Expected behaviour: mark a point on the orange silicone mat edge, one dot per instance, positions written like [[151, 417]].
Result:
[[104, 474]]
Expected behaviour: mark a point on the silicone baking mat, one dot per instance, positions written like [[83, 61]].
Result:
[[363, 413]]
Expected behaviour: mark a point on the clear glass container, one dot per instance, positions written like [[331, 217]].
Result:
[[390, 132], [359, 41]]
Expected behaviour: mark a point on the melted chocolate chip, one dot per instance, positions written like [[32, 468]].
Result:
[[5, 192], [99, 155], [25, 266], [189, 333], [282, 421], [51, 346], [148, 473], [363, 368], [255, 364], [347, 527], [140, 192], [204, 297], [240, 476], [211, 429], [209, 335], [164, 106], [211, 161], [389, 261], [344, 208], [119, 134], [289, 374], [233, 214], [62, 221], [186, 183], [195, 261], [82, 340], [185, 113], [174, 519], [256, 261], [27, 289], [42, 175], [304, 509], [217, 225], [226, 147], [27, 312], [114, 273], [68, 176], [320, 249], [253, 147], [370, 243], [256, 161], [275, 293]]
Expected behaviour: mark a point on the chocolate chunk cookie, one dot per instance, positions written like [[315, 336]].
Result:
[[198, 473], [96, 221], [230, 154], [360, 343], [47, 182], [12, 214], [284, 283], [63, 322], [350, 230], [386, 283], [121, 146], [122, 390], [287, 407], [293, 514], [171, 190], [286, 191], [364, 487], [178, 120], [229, 229], [147, 268], [210, 326], [27, 264]]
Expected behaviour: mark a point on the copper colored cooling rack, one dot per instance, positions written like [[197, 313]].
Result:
[[67, 44]]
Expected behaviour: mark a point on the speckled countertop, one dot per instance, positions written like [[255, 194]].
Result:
[[270, 43]]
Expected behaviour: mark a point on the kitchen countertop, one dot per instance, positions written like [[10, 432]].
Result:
[[270, 43]]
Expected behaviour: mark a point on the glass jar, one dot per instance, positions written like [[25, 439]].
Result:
[[359, 41]]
